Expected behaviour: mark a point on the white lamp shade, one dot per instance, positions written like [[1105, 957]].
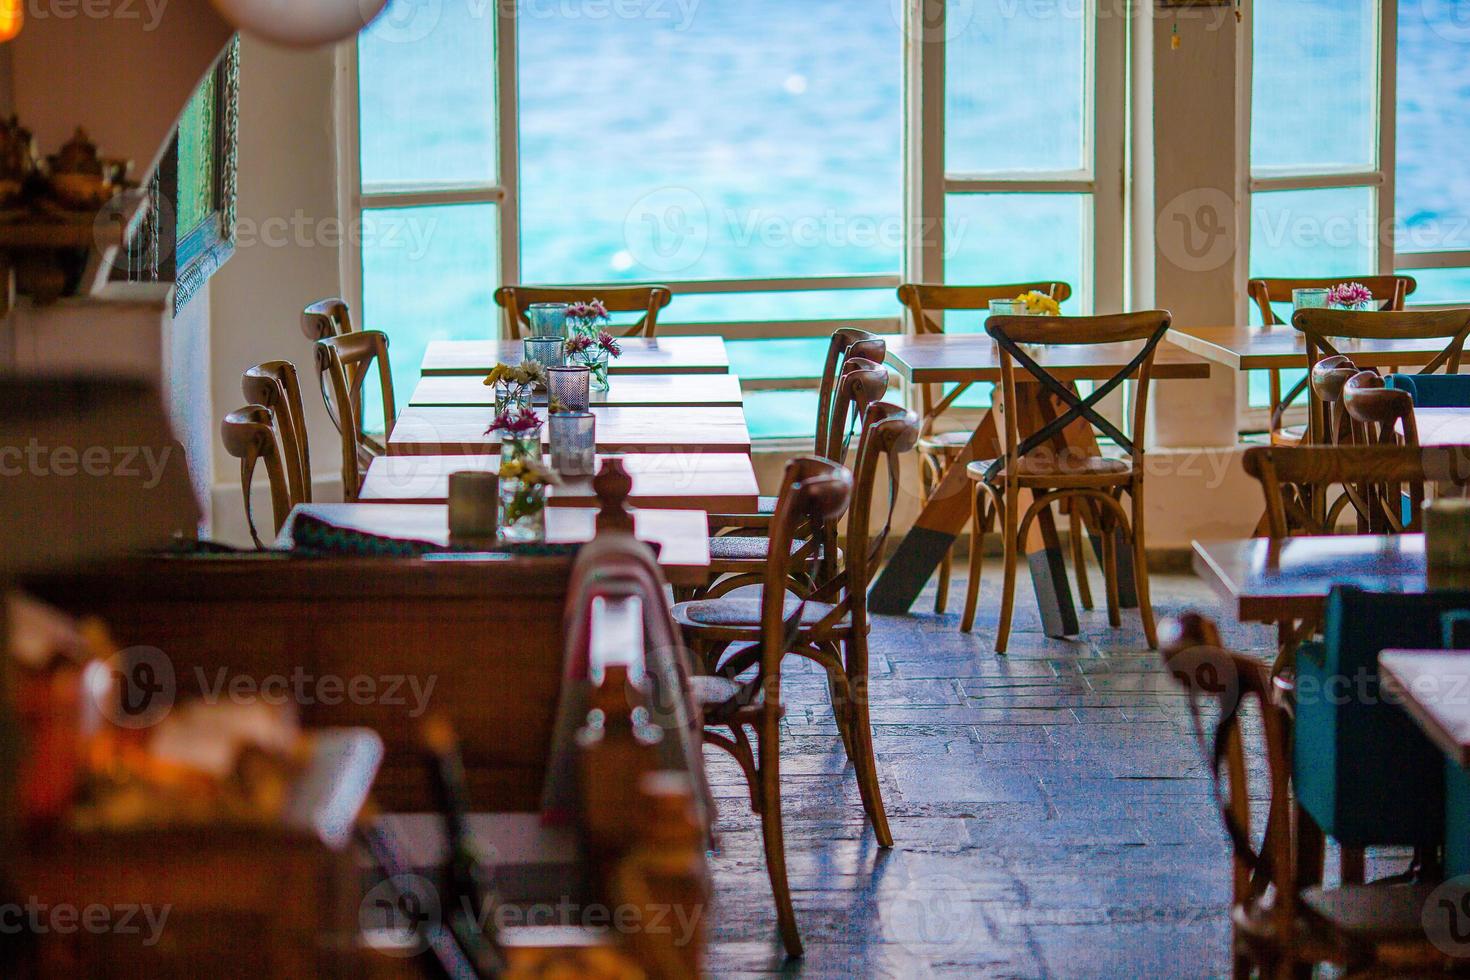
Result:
[[300, 23]]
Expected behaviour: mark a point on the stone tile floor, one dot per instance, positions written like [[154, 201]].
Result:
[[1051, 815]]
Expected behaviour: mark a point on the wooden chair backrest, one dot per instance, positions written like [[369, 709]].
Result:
[[1012, 331], [1195, 657], [345, 362], [326, 318], [1390, 290], [250, 435], [1380, 416], [1377, 475], [889, 432], [845, 342], [1320, 327], [1327, 378], [648, 300], [924, 299], [275, 385]]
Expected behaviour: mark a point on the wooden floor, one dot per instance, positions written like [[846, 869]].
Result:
[[1051, 817]]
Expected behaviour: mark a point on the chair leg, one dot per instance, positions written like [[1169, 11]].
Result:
[[839, 691], [1110, 569], [1140, 572], [941, 595], [977, 557], [864, 760], [1353, 865], [1010, 529], [768, 737], [1078, 533]]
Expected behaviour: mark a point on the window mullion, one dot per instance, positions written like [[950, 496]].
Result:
[[507, 134], [1388, 49]]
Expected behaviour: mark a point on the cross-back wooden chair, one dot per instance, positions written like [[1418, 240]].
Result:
[[250, 435], [346, 363], [1282, 920], [938, 449], [275, 385], [1390, 291], [830, 627], [326, 318], [1038, 459], [1379, 416], [648, 300], [1323, 329], [740, 560]]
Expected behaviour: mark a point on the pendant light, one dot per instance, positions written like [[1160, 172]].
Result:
[[297, 23]]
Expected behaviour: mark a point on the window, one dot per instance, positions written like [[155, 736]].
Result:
[[750, 154]]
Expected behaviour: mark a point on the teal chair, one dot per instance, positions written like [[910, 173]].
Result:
[[1364, 771], [1433, 390]]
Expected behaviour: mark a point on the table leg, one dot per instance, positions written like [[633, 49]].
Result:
[[1123, 556], [1049, 579]]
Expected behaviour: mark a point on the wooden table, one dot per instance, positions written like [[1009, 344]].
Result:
[[944, 358], [1271, 582], [627, 391], [447, 431], [1252, 348], [1443, 426], [722, 483], [641, 355], [681, 535], [1434, 688]]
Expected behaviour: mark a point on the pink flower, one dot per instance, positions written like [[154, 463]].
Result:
[[520, 423], [606, 342], [579, 343], [593, 312], [1349, 295]]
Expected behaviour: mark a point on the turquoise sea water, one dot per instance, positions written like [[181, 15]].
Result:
[[726, 139]]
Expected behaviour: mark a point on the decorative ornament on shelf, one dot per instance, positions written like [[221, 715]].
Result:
[[301, 23], [1037, 304]]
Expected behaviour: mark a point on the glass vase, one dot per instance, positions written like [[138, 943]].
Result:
[[512, 398], [547, 320], [522, 511], [595, 359], [520, 447]]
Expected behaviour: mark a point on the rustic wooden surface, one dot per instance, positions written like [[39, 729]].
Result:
[[718, 482], [444, 431], [627, 390], [936, 358], [1432, 684], [1250, 348], [1443, 426], [662, 355]]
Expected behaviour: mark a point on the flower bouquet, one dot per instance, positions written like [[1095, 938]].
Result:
[[514, 386], [1036, 304], [1350, 296], [587, 318], [520, 435], [523, 484], [594, 352]]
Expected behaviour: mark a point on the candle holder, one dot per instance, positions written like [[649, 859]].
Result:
[[547, 320], [549, 352], [474, 506], [574, 443], [1309, 299], [569, 388]]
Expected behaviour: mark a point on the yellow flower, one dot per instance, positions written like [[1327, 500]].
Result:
[[1039, 304]]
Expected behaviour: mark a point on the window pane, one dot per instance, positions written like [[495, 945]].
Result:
[[1015, 87], [428, 274], [722, 140], [797, 357], [1000, 238], [1441, 286], [1433, 127], [753, 307], [1313, 233], [1314, 96], [781, 414], [423, 122]]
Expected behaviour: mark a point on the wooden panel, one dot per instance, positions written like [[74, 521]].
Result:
[[627, 390], [662, 355], [935, 358], [682, 536], [1432, 684], [444, 431], [1267, 581], [718, 482], [1249, 348]]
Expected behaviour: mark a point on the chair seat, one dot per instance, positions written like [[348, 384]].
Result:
[[1291, 435], [729, 618], [1046, 471], [717, 697], [1354, 918], [944, 443], [731, 547]]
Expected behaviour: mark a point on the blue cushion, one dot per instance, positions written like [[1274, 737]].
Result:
[[1364, 770], [1433, 390], [1457, 820]]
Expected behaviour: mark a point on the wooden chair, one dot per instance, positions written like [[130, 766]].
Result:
[[1037, 458], [737, 560], [251, 436], [939, 449], [1379, 416], [345, 362], [1388, 290], [1323, 328], [648, 300], [831, 628], [274, 384], [1282, 920], [326, 318]]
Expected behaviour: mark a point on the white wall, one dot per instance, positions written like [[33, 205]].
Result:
[[287, 215]]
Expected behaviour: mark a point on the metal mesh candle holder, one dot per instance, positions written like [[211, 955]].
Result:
[[547, 320], [546, 351], [569, 388], [574, 443]]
